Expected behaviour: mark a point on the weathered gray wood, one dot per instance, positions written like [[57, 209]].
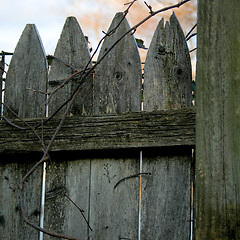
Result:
[[218, 121], [28, 69], [71, 176], [117, 81], [27, 77], [117, 89], [167, 72], [132, 130], [12, 225], [166, 195], [72, 49], [114, 211], [167, 84]]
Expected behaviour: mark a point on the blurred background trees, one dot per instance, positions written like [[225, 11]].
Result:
[[96, 19]]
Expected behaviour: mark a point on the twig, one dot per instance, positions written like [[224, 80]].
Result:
[[195, 25], [30, 172], [80, 210], [108, 34], [13, 124], [135, 27], [192, 35], [149, 7], [43, 159], [194, 49], [83, 78], [132, 176], [6, 53], [61, 61], [36, 91]]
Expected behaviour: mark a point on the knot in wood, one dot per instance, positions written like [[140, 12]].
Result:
[[161, 50], [118, 76], [179, 71]]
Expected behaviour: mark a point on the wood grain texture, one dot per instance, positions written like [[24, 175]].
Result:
[[69, 177], [91, 154], [167, 71], [166, 196], [27, 73], [12, 225], [117, 82], [167, 84], [131, 130], [218, 121], [117, 89], [72, 49], [28, 69], [114, 211]]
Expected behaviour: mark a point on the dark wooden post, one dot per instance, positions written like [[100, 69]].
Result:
[[218, 121]]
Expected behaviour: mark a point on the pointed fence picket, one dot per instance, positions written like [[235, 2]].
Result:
[[71, 54], [117, 89], [105, 183], [166, 194], [27, 73]]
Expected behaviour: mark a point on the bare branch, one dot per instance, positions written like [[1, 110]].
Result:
[[195, 25], [149, 7], [82, 79], [192, 35]]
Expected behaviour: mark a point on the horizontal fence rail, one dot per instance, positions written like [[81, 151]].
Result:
[[130, 130]]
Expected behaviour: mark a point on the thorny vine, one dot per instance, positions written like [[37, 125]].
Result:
[[82, 76]]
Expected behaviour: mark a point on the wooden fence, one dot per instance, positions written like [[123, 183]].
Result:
[[129, 170]]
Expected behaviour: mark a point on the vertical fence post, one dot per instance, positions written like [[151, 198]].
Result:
[[167, 84], [218, 121]]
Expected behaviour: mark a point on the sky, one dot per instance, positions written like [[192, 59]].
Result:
[[49, 17]]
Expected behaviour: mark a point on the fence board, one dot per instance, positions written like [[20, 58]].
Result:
[[169, 85], [72, 49], [71, 178], [27, 72], [117, 89], [117, 81], [11, 222], [60, 214], [166, 194], [113, 212], [28, 69]]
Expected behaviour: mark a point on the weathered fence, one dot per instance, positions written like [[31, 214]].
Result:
[[218, 121], [129, 170]]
